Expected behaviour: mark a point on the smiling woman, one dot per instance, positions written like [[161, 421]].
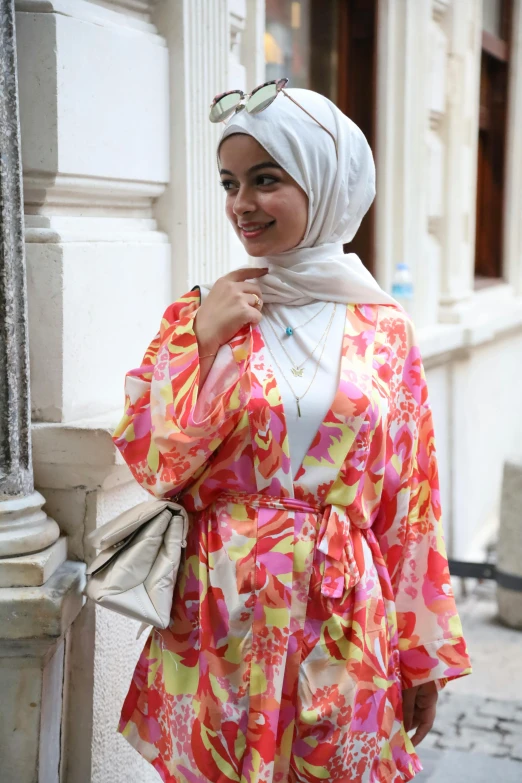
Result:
[[285, 405], [267, 208]]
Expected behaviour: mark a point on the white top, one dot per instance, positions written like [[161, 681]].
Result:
[[317, 401]]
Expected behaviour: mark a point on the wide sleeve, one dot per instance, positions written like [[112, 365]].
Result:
[[410, 534], [171, 427]]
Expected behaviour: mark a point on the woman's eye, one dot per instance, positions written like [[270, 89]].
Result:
[[266, 180], [227, 184]]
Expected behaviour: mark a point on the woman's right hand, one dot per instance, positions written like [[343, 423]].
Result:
[[227, 308]]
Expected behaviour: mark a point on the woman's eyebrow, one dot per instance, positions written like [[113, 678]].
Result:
[[268, 165]]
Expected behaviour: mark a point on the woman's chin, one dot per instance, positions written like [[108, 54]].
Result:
[[256, 252], [258, 249]]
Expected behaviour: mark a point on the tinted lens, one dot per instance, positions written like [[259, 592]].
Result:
[[261, 99], [224, 107]]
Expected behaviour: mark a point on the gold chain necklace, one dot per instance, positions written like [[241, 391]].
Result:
[[297, 399], [289, 330], [298, 369]]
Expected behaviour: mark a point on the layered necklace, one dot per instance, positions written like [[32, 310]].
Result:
[[324, 338], [289, 330], [298, 369]]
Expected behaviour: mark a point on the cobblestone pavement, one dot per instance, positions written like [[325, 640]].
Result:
[[477, 736], [473, 723]]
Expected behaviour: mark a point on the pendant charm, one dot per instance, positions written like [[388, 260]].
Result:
[[289, 331], [298, 407], [298, 371]]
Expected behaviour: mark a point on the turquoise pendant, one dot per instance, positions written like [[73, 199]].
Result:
[[289, 331]]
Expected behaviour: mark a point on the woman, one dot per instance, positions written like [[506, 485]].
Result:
[[313, 620]]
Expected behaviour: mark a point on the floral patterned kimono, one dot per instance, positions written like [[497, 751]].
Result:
[[303, 607]]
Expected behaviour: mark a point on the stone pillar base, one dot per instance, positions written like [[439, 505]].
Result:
[[509, 551], [34, 622], [24, 526], [33, 570], [510, 607]]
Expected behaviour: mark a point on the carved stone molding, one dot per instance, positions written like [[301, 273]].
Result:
[[434, 225], [436, 120], [439, 9], [24, 527], [133, 13], [237, 23], [53, 194], [141, 7], [62, 229]]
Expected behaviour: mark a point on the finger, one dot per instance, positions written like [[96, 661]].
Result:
[[408, 705], [254, 316], [255, 301], [415, 721], [246, 273], [421, 733], [250, 288]]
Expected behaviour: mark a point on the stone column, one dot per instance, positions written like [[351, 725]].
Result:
[[224, 53], [40, 591], [24, 527], [460, 134], [402, 159]]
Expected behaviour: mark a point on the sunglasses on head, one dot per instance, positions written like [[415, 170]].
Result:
[[228, 103]]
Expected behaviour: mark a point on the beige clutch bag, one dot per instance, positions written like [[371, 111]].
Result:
[[136, 570]]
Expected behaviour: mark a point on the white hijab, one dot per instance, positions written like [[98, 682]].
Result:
[[340, 188]]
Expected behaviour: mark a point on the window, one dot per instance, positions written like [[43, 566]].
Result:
[[287, 41], [329, 46], [492, 140], [301, 43], [357, 90]]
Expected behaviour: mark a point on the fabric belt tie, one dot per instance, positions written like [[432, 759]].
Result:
[[335, 538]]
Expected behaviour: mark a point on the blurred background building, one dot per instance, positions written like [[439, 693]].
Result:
[[123, 212]]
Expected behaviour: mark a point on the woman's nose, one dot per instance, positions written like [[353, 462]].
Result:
[[244, 202]]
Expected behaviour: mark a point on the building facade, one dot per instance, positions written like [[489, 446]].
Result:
[[123, 212]]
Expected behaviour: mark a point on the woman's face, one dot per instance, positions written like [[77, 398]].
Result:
[[267, 208]]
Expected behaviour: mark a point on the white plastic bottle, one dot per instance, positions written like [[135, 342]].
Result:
[[402, 286]]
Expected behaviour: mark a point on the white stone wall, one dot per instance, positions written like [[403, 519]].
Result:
[[428, 83], [95, 152], [487, 394]]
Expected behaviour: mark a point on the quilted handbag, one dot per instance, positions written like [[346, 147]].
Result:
[[136, 570]]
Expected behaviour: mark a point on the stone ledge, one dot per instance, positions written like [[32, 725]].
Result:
[[440, 339], [33, 570], [105, 12], [38, 616], [80, 192], [60, 229], [496, 318], [78, 455]]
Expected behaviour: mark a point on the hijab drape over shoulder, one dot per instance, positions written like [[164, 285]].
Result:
[[340, 186]]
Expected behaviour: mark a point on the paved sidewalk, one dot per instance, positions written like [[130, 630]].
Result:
[[477, 736]]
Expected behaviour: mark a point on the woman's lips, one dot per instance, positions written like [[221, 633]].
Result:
[[255, 229]]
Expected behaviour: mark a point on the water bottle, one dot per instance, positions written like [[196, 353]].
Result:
[[402, 286]]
